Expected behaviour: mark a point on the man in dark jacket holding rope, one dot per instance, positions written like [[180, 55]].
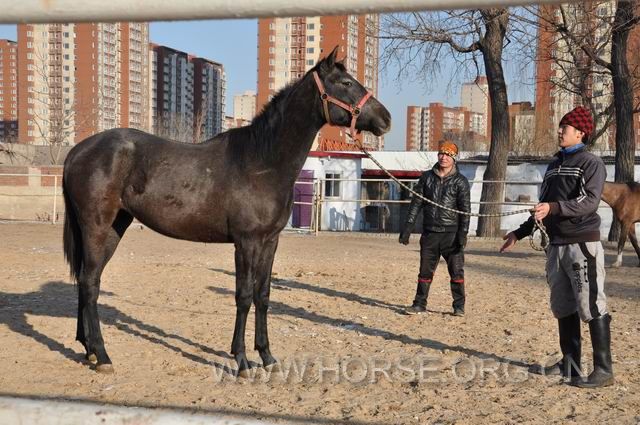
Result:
[[569, 199], [444, 232]]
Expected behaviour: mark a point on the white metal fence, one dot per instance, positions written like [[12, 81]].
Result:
[[63, 11], [38, 197], [379, 205], [31, 197]]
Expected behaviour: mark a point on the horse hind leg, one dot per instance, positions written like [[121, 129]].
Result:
[[624, 231], [634, 241], [99, 246]]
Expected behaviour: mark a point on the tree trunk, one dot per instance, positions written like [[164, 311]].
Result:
[[495, 21], [623, 100]]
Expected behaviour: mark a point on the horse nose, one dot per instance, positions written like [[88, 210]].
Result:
[[385, 121]]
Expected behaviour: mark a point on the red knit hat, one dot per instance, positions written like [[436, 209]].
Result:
[[579, 118]]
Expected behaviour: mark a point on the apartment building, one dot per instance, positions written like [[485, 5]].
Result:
[[8, 91], [79, 79], [289, 47], [474, 96], [522, 128], [427, 126], [558, 70], [189, 93], [244, 106]]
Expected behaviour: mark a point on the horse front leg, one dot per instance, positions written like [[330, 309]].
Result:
[[261, 300], [244, 291]]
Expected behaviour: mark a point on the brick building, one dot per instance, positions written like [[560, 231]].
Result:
[[289, 47], [78, 79]]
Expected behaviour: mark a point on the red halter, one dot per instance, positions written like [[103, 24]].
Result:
[[353, 110]]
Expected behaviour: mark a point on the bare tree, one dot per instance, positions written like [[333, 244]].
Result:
[[185, 127], [6, 150], [627, 16], [564, 34], [200, 118], [55, 107], [601, 40], [420, 42], [175, 126]]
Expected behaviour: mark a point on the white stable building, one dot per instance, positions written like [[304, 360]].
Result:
[[339, 179]]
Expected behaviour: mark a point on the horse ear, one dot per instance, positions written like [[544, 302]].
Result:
[[330, 60]]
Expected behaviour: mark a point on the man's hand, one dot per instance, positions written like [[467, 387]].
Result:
[[510, 239], [461, 240], [541, 210], [404, 237]]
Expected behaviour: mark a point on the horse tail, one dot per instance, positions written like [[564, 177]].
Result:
[[72, 237]]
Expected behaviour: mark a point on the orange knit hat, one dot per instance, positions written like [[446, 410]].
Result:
[[449, 148]]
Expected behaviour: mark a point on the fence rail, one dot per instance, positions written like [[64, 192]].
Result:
[[311, 206], [62, 11]]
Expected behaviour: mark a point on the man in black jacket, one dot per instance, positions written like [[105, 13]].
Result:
[[444, 232], [568, 208]]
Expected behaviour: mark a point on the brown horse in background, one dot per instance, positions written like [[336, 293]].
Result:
[[624, 200]]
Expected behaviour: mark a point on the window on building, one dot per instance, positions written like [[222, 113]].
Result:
[[332, 185]]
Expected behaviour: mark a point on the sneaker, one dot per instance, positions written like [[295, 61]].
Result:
[[416, 309], [458, 312]]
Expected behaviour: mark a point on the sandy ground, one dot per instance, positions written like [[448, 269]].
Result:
[[347, 352]]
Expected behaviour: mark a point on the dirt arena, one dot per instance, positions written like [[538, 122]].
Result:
[[347, 353]]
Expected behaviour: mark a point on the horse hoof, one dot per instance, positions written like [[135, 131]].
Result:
[[92, 358], [106, 368], [244, 374], [273, 367]]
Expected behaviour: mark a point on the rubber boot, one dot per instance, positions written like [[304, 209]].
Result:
[[602, 375], [571, 347], [457, 291], [419, 305]]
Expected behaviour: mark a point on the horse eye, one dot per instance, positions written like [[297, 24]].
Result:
[[347, 83]]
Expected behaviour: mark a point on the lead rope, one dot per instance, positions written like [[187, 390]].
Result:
[[544, 237]]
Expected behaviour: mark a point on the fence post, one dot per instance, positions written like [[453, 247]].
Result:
[[55, 199], [318, 202], [312, 226]]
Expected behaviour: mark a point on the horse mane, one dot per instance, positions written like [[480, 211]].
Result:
[[263, 127], [633, 185], [258, 140]]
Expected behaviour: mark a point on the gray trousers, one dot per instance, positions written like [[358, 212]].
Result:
[[575, 273]]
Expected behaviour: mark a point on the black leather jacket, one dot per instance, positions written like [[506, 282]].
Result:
[[451, 191]]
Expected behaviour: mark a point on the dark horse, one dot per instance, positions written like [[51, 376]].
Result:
[[235, 188], [624, 200]]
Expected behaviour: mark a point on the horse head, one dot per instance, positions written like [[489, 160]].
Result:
[[346, 102]]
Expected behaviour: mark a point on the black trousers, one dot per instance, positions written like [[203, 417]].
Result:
[[435, 245]]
